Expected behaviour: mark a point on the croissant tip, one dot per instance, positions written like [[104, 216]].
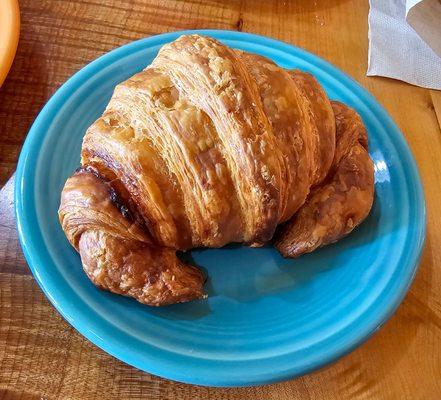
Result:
[[288, 250]]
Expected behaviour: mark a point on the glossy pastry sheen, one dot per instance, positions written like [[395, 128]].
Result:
[[337, 205], [207, 146]]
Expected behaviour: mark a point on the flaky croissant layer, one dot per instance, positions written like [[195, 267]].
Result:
[[207, 146]]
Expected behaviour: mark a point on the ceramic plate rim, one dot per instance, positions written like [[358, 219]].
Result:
[[29, 238]]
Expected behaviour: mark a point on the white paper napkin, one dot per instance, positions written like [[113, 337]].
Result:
[[395, 48]]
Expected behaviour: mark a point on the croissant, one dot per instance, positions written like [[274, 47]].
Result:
[[206, 146]]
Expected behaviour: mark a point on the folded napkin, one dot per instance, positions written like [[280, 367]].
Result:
[[396, 50]]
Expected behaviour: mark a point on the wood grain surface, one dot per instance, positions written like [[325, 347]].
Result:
[[42, 357]]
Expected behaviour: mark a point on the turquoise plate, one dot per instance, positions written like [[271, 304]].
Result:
[[266, 319]]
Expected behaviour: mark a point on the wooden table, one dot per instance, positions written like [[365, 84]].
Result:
[[42, 357]]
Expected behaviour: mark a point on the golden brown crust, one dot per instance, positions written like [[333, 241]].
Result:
[[214, 145], [208, 146], [116, 254], [213, 79], [343, 201], [86, 204], [288, 113], [321, 117], [150, 274]]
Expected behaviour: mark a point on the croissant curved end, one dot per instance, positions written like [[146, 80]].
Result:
[[340, 203], [117, 255]]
